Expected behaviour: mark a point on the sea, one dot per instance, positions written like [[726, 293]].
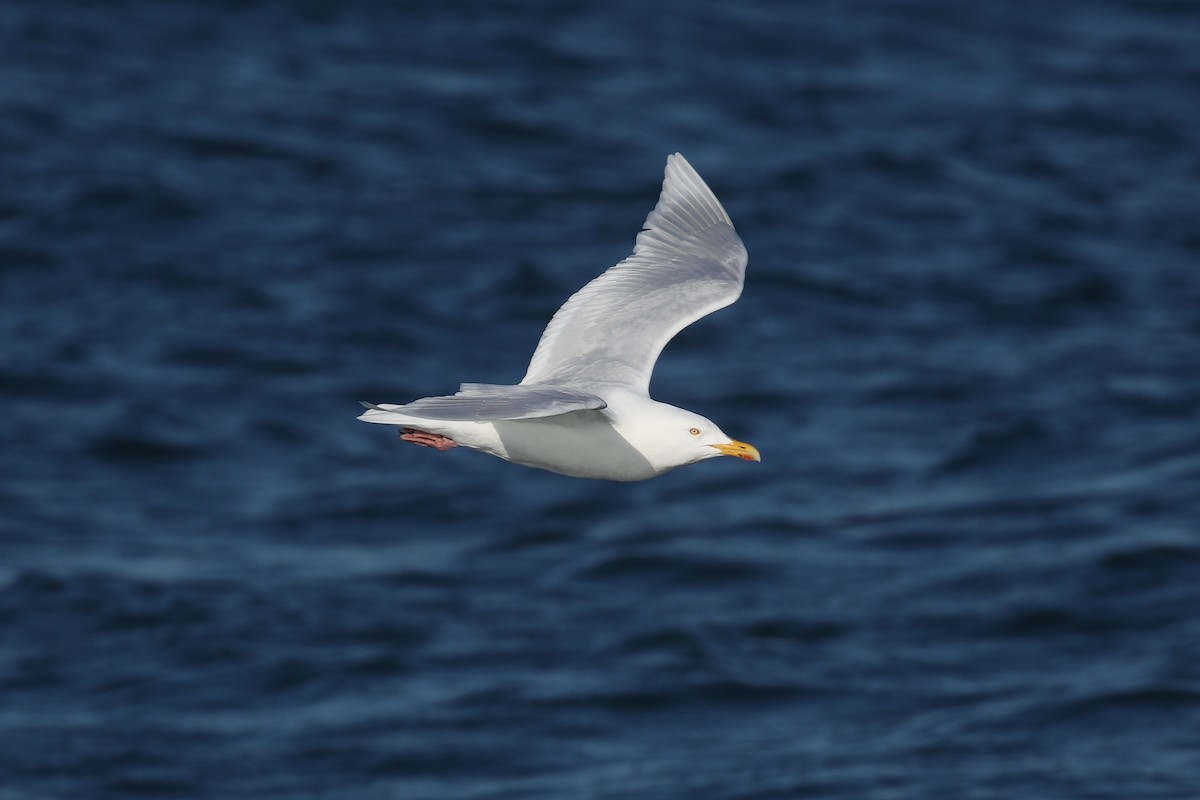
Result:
[[967, 568]]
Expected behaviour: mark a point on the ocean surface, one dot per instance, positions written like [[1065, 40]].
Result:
[[968, 567]]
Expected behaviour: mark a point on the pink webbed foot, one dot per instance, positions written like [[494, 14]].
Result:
[[434, 440]]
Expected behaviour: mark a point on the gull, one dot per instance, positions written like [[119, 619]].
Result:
[[583, 408]]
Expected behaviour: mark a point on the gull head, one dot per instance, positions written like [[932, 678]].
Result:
[[671, 437]]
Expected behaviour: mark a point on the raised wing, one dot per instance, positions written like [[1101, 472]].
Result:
[[487, 402], [688, 262]]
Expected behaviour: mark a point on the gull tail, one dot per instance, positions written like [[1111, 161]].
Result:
[[384, 414]]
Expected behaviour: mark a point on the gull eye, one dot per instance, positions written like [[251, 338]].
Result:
[[694, 431]]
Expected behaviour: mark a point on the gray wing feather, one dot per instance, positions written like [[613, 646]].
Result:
[[688, 262], [486, 402]]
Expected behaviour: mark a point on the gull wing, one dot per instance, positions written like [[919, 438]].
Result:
[[688, 262], [485, 402]]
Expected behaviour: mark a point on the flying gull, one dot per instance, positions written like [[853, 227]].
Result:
[[583, 408]]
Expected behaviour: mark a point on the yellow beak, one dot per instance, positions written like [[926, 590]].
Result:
[[746, 452]]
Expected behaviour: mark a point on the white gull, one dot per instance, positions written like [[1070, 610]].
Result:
[[583, 408]]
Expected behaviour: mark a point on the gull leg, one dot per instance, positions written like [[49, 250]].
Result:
[[425, 439]]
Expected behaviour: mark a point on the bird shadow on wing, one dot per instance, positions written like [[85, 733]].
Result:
[[582, 444]]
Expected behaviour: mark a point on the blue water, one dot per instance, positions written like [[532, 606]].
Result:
[[968, 349]]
